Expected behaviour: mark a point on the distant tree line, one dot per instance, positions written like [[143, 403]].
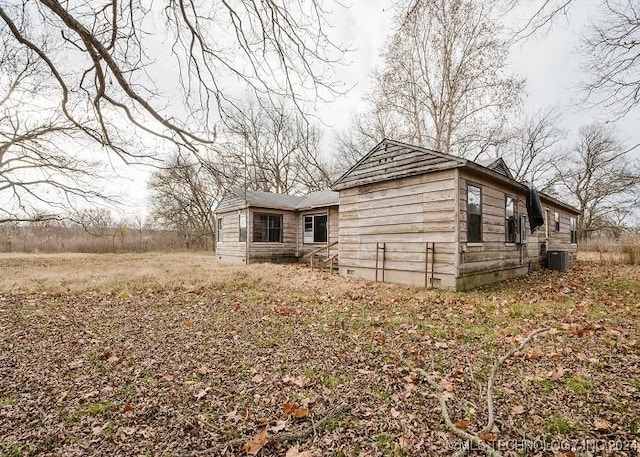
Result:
[[95, 231]]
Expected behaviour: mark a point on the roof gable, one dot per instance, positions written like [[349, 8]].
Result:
[[230, 201], [391, 159], [497, 165]]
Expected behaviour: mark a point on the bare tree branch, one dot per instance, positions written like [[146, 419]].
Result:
[[107, 84], [444, 78], [599, 178]]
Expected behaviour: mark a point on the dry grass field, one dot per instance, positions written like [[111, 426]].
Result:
[[177, 354]]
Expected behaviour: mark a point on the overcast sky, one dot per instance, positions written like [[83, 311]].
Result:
[[550, 63]]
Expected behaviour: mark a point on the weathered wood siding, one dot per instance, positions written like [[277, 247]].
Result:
[[230, 249], [404, 214], [494, 259], [560, 240], [230, 201], [267, 251], [332, 235]]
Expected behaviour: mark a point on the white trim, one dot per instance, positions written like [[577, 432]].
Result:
[[308, 240]]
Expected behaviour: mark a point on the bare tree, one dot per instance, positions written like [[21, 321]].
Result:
[[534, 150], [600, 178], [96, 221], [365, 131], [444, 77], [38, 168], [102, 61], [183, 197], [611, 48], [275, 149], [613, 57]]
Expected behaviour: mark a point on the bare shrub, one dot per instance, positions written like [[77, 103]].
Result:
[[631, 250]]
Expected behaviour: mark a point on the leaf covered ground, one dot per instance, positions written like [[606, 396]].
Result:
[[179, 355]]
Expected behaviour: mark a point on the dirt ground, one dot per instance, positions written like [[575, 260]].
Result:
[[178, 354]]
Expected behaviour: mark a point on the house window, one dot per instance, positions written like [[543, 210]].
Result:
[[267, 228], [523, 229], [510, 219], [315, 228], [556, 219], [242, 226], [574, 230], [474, 214], [219, 234]]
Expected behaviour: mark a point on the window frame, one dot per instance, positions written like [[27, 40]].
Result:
[[242, 230], [556, 221], [522, 228], [573, 230], [514, 217], [313, 228], [469, 213], [269, 216], [219, 230]]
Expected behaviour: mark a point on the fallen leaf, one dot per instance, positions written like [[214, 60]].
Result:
[[404, 442], [254, 445], [559, 373], [203, 370], [126, 430], [233, 415], [113, 359], [300, 413], [462, 424], [533, 354], [127, 408], [487, 436], [294, 452], [446, 385], [98, 429], [280, 425], [602, 425], [202, 393], [289, 407], [517, 410]]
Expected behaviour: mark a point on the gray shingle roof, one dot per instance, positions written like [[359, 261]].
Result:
[[317, 199], [235, 199], [272, 200]]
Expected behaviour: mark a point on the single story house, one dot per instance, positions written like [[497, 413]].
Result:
[[255, 226], [409, 215], [431, 219]]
